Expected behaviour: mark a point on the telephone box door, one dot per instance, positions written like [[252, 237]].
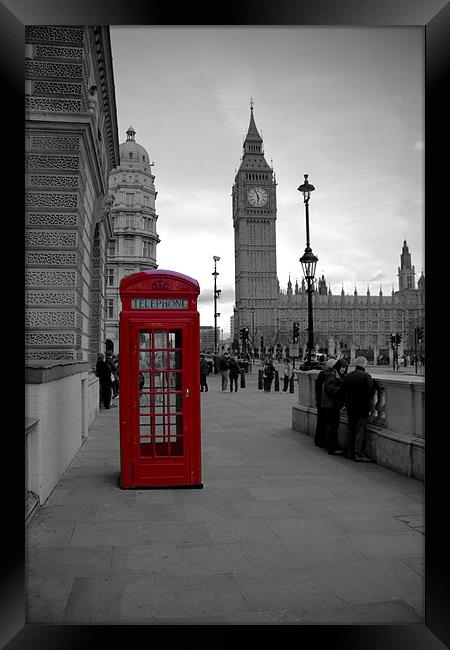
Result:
[[161, 421]]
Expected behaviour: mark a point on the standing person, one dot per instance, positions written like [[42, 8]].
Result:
[[235, 372], [103, 372], [331, 402], [111, 361], [320, 436], [268, 375], [288, 370], [359, 389], [224, 370], [203, 373]]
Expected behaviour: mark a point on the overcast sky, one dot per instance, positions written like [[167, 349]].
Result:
[[344, 105]]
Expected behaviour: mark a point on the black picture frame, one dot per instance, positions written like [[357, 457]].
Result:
[[434, 17]]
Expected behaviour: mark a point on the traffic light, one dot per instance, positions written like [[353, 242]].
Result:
[[244, 334], [419, 334], [398, 338], [295, 332], [392, 340]]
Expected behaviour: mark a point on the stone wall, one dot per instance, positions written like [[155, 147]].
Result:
[[71, 144], [61, 401]]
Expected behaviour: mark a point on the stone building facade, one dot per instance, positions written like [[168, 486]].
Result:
[[71, 144], [341, 322], [133, 245]]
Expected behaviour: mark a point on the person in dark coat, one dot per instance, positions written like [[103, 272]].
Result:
[[331, 402], [203, 373], [235, 372], [112, 363], [359, 389], [224, 369], [320, 436], [268, 375], [103, 372]]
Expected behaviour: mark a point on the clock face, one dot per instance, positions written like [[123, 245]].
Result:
[[257, 196]]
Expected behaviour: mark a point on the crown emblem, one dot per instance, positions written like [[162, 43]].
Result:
[[160, 285]]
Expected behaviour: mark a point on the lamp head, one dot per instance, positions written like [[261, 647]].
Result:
[[306, 189], [308, 261]]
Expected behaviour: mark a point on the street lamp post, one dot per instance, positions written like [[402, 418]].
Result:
[[253, 328], [216, 295], [308, 261]]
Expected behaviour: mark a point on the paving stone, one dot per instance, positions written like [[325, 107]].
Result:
[[283, 589], [239, 530], [175, 532], [297, 553], [368, 522], [114, 599], [385, 613], [136, 512], [145, 560], [107, 533], [46, 598], [212, 559], [67, 561], [206, 511], [198, 595], [249, 509], [391, 544], [304, 527], [53, 533]]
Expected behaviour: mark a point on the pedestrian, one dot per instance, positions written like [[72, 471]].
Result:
[[320, 436], [288, 370], [224, 370], [331, 402], [103, 372], [112, 362], [359, 389], [268, 374], [235, 373], [203, 373]]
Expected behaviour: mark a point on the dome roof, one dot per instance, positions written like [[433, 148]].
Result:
[[131, 151]]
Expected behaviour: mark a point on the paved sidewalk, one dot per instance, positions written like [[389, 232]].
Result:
[[280, 533]]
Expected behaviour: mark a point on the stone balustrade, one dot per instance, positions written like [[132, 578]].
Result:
[[396, 425]]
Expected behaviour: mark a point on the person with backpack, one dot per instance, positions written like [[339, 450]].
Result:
[[268, 374], [235, 373], [331, 402]]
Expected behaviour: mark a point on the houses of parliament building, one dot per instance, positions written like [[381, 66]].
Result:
[[362, 323]]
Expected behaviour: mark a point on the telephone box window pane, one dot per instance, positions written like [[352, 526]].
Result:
[[146, 339], [175, 360], [159, 381], [145, 360], [160, 339], [175, 381], [160, 360], [175, 338]]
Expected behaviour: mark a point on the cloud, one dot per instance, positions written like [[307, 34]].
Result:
[[378, 275]]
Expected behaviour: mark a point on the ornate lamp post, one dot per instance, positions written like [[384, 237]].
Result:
[[216, 295], [308, 261]]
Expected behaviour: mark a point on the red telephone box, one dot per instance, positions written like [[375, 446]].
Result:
[[160, 442]]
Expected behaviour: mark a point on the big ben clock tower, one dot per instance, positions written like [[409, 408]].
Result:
[[254, 218]]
